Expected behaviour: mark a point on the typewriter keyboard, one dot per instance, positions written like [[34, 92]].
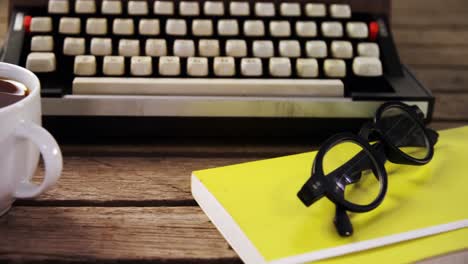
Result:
[[210, 48]]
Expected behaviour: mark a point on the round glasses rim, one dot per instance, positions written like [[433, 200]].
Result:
[[318, 172], [410, 113]]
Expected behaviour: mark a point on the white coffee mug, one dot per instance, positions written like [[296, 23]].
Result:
[[21, 140]]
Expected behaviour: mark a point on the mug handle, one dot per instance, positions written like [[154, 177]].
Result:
[[52, 159]]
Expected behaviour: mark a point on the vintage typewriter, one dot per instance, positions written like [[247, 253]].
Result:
[[210, 67]]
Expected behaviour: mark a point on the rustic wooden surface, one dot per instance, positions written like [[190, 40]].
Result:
[[130, 203]]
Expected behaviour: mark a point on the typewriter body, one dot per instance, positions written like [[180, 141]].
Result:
[[210, 67]]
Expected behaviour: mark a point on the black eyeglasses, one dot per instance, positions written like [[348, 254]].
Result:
[[349, 169]]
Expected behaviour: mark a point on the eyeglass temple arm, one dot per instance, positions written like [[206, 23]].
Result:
[[311, 192], [342, 222]]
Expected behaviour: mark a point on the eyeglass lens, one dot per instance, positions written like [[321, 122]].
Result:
[[354, 172], [404, 133]]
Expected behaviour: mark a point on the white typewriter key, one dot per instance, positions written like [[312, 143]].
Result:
[[224, 66], [236, 48], [213, 8], [208, 47], [254, 28], [96, 26], [59, 7], [148, 27], [156, 47], [228, 27], [41, 24], [335, 68], [340, 11], [74, 46], [41, 62], [290, 9], [263, 48], [169, 66], [163, 7], [42, 43], [113, 66], [176, 27], [197, 66], [239, 8], [184, 48], [111, 7], [85, 65], [306, 29], [332, 29], [101, 46], [289, 48], [342, 49], [264, 9], [316, 49], [189, 8], [280, 28], [85, 7], [368, 50], [307, 68], [129, 47], [316, 10], [141, 66], [70, 26], [137, 8], [280, 67], [251, 67], [357, 30], [367, 67], [124, 27], [202, 27]]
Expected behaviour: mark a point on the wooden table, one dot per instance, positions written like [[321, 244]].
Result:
[[131, 203]]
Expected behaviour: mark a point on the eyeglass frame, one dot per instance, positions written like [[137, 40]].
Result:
[[378, 157]]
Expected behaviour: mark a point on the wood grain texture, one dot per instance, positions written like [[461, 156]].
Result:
[[431, 37], [438, 56], [126, 203], [454, 107], [123, 235], [443, 79], [182, 234], [440, 125], [128, 181], [430, 13]]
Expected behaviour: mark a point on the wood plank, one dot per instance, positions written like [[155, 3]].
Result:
[[451, 107], [435, 56], [128, 181], [406, 35], [439, 125], [442, 79], [124, 235], [182, 234], [430, 13]]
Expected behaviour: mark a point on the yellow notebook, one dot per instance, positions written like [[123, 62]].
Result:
[[255, 207]]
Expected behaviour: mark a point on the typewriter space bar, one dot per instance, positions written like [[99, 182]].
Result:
[[208, 87]]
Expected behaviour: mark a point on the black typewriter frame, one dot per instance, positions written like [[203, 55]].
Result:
[[406, 86]]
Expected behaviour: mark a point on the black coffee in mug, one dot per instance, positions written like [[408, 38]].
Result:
[[11, 92]]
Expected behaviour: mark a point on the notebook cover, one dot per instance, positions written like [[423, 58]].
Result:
[[254, 205]]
